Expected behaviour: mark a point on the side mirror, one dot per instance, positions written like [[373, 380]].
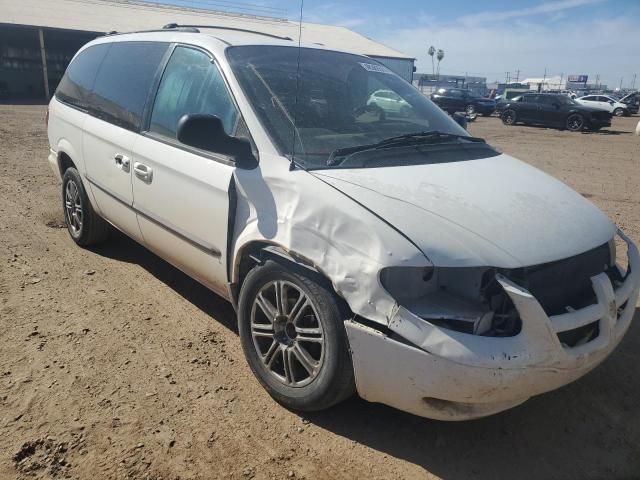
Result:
[[460, 119], [206, 132]]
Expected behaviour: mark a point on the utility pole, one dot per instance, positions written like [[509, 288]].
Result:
[[507, 77], [544, 78], [633, 84], [561, 78], [620, 83], [517, 75], [597, 79]]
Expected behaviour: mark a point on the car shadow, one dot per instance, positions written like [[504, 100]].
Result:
[[122, 248], [605, 132], [588, 429]]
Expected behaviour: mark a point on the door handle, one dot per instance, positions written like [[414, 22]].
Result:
[[122, 162], [143, 172]]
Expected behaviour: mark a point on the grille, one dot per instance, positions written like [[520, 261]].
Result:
[[565, 283]]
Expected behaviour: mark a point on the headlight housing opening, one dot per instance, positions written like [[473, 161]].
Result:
[[467, 300]]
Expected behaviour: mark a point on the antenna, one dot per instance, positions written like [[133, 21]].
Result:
[[292, 163]]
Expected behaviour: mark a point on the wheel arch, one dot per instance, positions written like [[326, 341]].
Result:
[[256, 252], [67, 156]]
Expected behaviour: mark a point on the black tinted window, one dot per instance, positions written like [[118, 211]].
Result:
[[78, 80], [191, 83], [124, 80], [530, 98]]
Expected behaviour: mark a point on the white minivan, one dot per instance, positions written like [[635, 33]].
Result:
[[395, 256]]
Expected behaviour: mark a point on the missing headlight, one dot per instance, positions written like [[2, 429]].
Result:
[[467, 300]]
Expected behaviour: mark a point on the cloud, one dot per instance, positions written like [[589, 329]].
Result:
[[540, 9]]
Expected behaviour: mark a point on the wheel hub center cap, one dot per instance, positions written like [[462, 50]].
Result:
[[284, 330]]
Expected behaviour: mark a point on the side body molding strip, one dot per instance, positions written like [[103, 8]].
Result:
[[197, 243]]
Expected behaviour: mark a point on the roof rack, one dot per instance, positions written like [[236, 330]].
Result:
[[195, 28]]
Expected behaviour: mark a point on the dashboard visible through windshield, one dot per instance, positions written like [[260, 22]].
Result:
[[315, 102]]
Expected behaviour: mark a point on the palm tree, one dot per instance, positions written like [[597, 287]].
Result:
[[439, 56], [431, 52]]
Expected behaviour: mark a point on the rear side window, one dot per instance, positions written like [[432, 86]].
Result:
[[191, 83], [124, 81], [75, 86]]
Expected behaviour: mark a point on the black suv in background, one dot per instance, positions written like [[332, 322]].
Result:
[[632, 101], [454, 100], [554, 110]]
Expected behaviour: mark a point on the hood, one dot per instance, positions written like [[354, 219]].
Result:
[[495, 211]]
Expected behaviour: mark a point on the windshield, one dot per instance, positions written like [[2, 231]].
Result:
[[342, 101]]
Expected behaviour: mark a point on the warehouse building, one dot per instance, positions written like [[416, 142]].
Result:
[[38, 39]]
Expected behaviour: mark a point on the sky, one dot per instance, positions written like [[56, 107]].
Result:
[[485, 38]]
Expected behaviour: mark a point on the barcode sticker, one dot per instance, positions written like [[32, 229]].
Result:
[[372, 67]]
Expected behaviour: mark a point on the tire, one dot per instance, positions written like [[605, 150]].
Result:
[[470, 109], [84, 225], [619, 112], [575, 122], [267, 339], [509, 117]]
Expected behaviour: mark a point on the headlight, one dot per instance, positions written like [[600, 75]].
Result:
[[467, 300]]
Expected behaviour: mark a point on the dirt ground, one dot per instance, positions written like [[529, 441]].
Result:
[[115, 365]]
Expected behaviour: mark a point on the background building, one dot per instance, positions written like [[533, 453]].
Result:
[[39, 38], [428, 83]]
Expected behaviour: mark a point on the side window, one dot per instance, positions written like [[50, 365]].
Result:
[[589, 99], [191, 83], [124, 81], [75, 86], [529, 98]]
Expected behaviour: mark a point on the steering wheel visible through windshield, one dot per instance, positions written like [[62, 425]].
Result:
[[333, 101]]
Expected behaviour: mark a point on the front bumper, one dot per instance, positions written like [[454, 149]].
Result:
[[448, 375], [53, 163]]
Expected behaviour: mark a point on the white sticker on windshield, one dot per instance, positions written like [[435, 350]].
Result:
[[372, 67]]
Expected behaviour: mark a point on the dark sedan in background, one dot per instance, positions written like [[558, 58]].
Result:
[[554, 110], [454, 100]]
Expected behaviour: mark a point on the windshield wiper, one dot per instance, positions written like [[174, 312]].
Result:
[[432, 136]]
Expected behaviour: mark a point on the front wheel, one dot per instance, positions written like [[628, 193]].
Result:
[[470, 110], [619, 112], [509, 117], [293, 337], [575, 122]]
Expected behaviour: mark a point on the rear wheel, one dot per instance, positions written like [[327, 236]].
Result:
[[509, 117], [575, 122], [85, 226], [470, 110], [293, 336]]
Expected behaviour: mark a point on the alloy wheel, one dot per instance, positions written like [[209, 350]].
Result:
[[287, 333], [509, 117], [575, 122], [73, 208]]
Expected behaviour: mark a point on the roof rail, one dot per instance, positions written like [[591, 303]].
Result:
[[175, 26]]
